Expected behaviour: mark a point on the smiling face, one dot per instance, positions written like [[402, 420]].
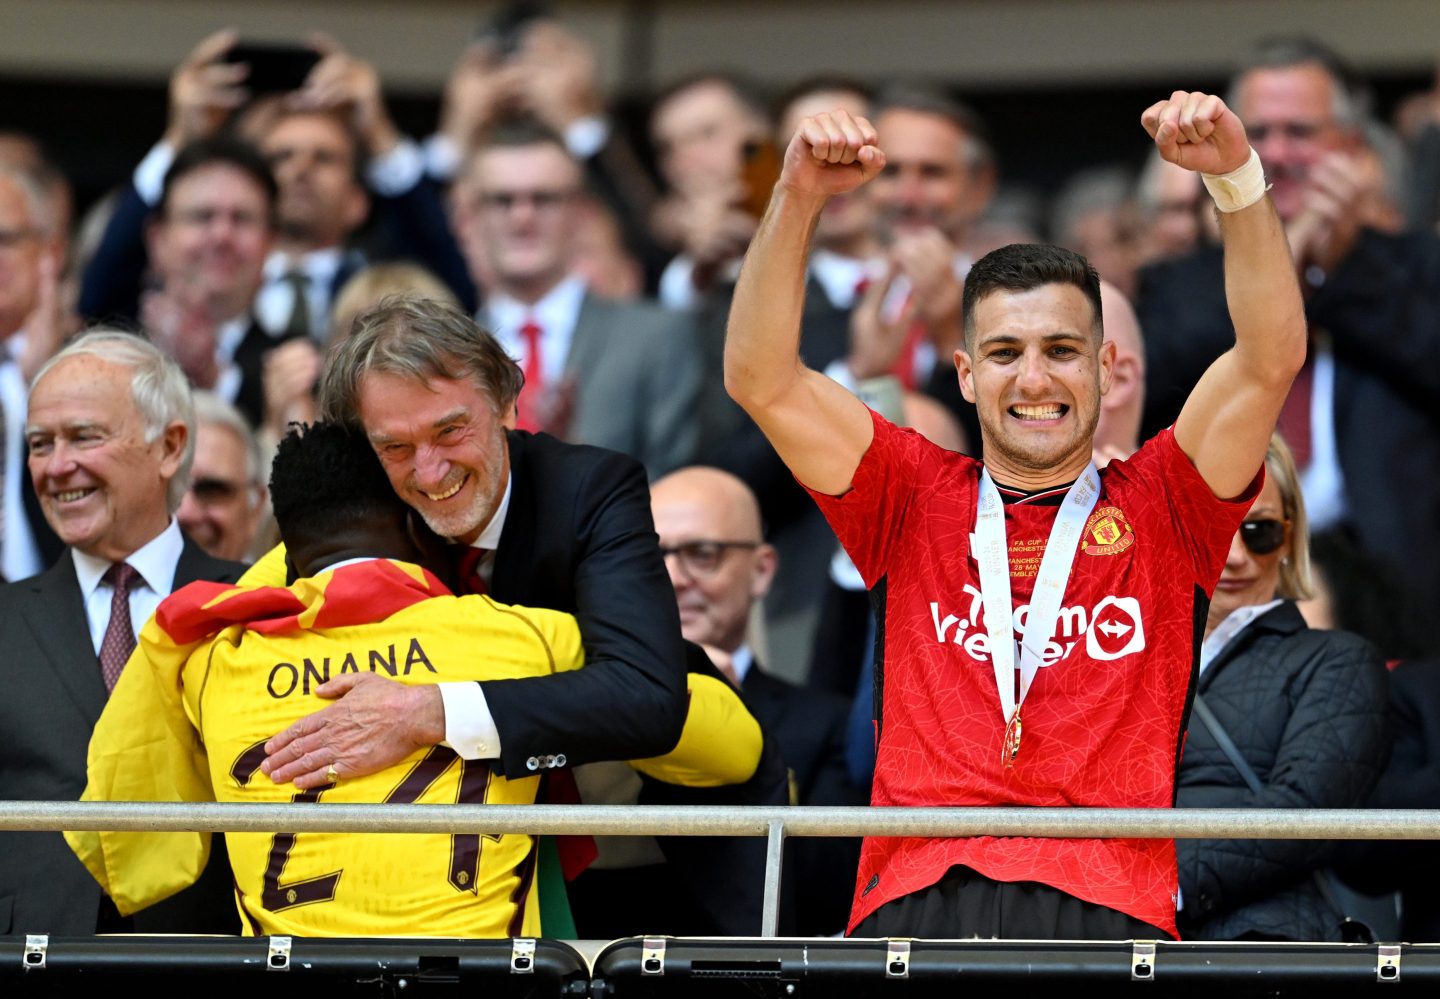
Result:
[[929, 180], [1250, 578], [1289, 116], [442, 445], [1036, 370], [102, 487]]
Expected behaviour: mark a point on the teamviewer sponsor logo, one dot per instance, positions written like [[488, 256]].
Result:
[[1112, 628]]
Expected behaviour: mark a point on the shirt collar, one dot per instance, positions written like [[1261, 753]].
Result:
[[155, 561], [1225, 632], [841, 276], [320, 266], [740, 662], [558, 309], [489, 538]]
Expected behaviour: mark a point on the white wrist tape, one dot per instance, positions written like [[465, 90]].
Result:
[[1240, 188]]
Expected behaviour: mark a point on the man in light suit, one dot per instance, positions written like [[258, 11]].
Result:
[[622, 375], [110, 438]]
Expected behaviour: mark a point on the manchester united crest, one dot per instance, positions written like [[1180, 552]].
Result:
[[1107, 532]]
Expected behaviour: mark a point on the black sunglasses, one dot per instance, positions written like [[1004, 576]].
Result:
[[1262, 536]]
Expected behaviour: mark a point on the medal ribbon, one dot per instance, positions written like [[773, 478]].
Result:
[[993, 555]]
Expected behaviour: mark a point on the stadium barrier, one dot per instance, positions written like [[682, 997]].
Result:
[[766, 965]]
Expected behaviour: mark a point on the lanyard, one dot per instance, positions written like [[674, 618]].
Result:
[[993, 555]]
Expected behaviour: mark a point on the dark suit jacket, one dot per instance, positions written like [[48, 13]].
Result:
[[1381, 308], [54, 696], [579, 538]]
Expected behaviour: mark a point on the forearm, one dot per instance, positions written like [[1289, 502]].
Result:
[[762, 339], [1262, 293]]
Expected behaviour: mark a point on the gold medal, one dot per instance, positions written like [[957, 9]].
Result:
[[1011, 748]]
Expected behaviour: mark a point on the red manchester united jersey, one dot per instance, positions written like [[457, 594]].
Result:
[[1102, 722]]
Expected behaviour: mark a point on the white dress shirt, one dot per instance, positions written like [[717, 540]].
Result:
[[1238, 620], [275, 301], [20, 557], [155, 561], [469, 727]]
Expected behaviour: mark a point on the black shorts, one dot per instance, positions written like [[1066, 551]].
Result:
[[965, 904]]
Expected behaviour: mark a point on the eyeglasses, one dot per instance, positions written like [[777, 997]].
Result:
[[501, 202], [1262, 536], [703, 558], [213, 492]]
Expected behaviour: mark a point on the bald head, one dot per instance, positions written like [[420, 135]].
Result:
[[1118, 431], [709, 527]]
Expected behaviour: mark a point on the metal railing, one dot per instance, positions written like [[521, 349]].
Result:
[[773, 823]]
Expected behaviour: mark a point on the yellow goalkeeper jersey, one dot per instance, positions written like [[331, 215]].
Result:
[[220, 669]]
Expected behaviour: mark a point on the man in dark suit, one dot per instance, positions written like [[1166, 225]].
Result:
[[549, 525], [621, 375], [720, 567], [109, 433], [1361, 416]]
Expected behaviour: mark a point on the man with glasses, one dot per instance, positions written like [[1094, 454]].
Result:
[[721, 567], [1361, 418], [622, 375]]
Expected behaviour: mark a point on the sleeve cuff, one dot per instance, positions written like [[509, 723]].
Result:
[[398, 171], [469, 728], [442, 157], [149, 176]]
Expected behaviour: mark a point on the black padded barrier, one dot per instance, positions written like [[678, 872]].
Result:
[[270, 967], [658, 968]]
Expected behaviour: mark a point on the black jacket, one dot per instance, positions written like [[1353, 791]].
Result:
[[1307, 711]]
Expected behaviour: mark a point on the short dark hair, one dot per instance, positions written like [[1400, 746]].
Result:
[[323, 475], [221, 150], [1024, 267], [419, 338]]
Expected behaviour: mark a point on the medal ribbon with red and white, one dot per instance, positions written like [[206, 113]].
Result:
[[993, 556]]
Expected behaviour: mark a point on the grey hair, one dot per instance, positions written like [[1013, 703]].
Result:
[[37, 201], [975, 149], [158, 387], [417, 338], [211, 410], [1349, 104]]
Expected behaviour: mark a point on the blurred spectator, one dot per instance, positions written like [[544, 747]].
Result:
[[1174, 215], [1304, 709], [712, 141], [1365, 595], [720, 566], [621, 375], [222, 506], [541, 68], [1361, 415], [31, 324], [109, 436], [208, 242], [1117, 432], [1093, 215], [334, 151]]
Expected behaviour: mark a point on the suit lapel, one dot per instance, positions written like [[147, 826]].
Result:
[[55, 615], [586, 343], [506, 576]]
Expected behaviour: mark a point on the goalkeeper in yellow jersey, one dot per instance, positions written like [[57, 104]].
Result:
[[221, 668]]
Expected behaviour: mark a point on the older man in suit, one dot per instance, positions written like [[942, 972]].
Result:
[[622, 375], [720, 566], [110, 439]]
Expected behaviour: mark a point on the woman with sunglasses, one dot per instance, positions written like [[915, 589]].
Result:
[[1303, 709]]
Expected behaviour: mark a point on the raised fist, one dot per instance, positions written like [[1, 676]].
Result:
[[1198, 132], [831, 153]]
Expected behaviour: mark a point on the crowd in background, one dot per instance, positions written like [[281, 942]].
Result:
[[263, 221]]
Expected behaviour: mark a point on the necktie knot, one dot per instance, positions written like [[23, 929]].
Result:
[[121, 576], [469, 570]]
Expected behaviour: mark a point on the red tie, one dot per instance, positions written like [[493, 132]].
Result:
[[530, 403], [1294, 423], [468, 571], [119, 640]]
